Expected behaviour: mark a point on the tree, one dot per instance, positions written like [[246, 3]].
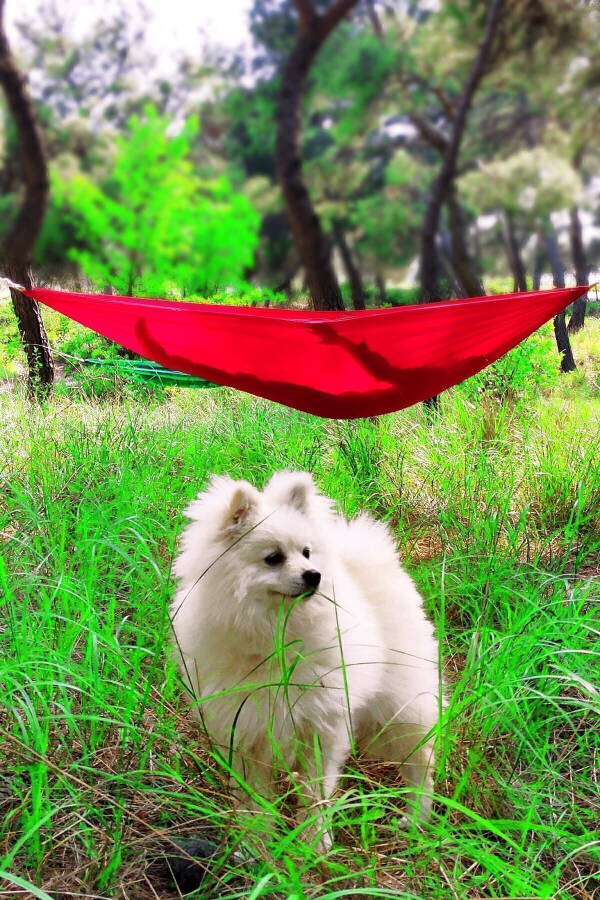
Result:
[[311, 242], [20, 240], [153, 224], [428, 268], [523, 189], [582, 270], [96, 76]]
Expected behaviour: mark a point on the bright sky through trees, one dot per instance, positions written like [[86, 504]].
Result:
[[173, 25]]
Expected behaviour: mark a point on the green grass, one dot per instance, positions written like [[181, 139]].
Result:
[[496, 509]]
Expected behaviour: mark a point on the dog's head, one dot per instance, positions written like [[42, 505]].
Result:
[[265, 545]]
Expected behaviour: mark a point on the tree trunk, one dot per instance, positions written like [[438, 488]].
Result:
[[538, 264], [22, 235], [513, 253], [567, 362], [582, 271], [353, 275], [428, 274], [381, 290], [444, 255], [285, 285], [461, 261], [311, 242]]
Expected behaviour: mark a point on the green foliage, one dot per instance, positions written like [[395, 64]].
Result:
[[525, 371], [60, 234], [250, 137], [10, 342], [351, 74], [395, 296], [246, 295], [387, 230], [153, 225], [530, 184]]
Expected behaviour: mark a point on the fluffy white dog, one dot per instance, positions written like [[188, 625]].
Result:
[[301, 639]]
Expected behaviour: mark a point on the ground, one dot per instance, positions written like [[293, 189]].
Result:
[[495, 504]]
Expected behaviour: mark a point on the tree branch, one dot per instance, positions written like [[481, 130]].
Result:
[[375, 20], [475, 76], [306, 13], [430, 132], [445, 100], [333, 16]]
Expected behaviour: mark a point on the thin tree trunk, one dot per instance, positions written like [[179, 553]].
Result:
[[23, 234], [444, 248], [428, 274], [311, 242], [381, 290], [513, 253], [375, 20], [538, 264], [353, 275], [285, 285], [567, 363], [582, 271], [461, 261]]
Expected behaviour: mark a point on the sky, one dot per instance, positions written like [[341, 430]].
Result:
[[173, 26]]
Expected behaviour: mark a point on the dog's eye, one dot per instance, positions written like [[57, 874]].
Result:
[[306, 552], [274, 559]]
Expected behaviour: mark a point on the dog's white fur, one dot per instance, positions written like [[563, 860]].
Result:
[[286, 681]]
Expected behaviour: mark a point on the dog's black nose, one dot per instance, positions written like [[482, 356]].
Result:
[[311, 578]]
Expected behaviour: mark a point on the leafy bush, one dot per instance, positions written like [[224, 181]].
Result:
[[396, 296], [153, 225], [529, 368], [244, 295], [9, 339]]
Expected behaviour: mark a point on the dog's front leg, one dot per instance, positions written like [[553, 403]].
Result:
[[253, 788], [321, 763]]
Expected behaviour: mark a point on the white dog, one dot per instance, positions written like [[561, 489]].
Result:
[[301, 639]]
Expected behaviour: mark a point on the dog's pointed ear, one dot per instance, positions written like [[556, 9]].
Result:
[[243, 502], [227, 503], [293, 489]]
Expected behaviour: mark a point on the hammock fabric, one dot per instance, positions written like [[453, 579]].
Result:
[[341, 365]]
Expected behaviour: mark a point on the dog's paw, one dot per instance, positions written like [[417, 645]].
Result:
[[325, 842], [414, 818]]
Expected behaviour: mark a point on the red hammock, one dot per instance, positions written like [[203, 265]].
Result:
[[342, 365]]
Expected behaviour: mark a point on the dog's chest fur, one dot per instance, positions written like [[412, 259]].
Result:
[[285, 686]]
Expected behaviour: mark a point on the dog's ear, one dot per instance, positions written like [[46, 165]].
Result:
[[241, 506], [293, 489], [227, 503]]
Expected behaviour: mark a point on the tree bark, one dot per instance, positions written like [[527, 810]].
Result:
[[567, 362], [513, 253], [353, 275], [582, 271], [22, 235], [538, 264], [381, 289], [428, 262], [311, 242], [461, 261], [444, 251], [375, 20]]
